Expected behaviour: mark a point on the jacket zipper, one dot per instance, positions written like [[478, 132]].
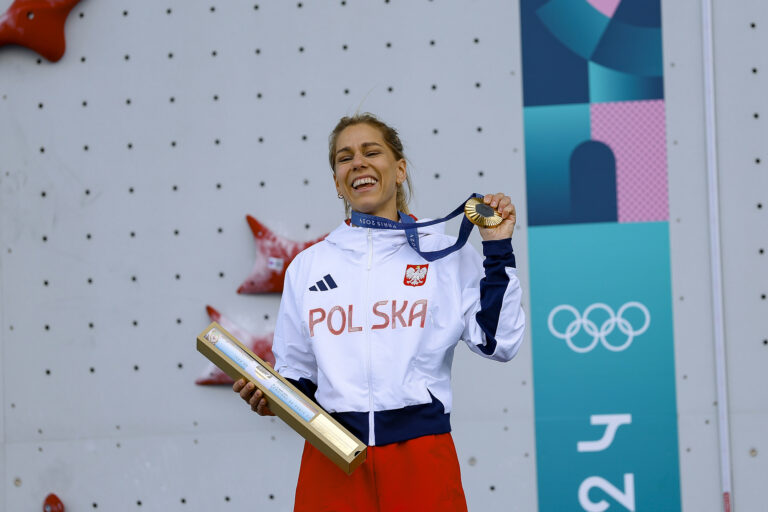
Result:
[[371, 432]]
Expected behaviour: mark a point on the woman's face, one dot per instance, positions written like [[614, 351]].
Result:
[[367, 173]]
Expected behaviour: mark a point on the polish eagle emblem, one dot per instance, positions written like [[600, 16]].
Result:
[[415, 275]]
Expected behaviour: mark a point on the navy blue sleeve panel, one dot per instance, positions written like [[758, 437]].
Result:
[[306, 386], [498, 256], [500, 250]]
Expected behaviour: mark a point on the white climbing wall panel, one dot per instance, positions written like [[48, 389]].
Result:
[[741, 65], [128, 168], [126, 172]]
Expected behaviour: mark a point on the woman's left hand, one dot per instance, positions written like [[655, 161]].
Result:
[[502, 204]]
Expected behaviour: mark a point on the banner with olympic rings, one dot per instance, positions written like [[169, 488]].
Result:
[[603, 367], [601, 308]]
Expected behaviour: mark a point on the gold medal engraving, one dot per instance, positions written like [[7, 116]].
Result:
[[481, 214]]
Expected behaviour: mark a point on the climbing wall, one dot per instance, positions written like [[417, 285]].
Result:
[[128, 168], [741, 65]]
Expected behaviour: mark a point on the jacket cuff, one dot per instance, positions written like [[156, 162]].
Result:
[[499, 251]]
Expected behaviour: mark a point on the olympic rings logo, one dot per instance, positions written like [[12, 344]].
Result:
[[607, 327]]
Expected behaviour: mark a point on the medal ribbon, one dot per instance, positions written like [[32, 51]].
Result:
[[411, 227]]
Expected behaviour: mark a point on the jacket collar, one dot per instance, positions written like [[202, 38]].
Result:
[[354, 238]]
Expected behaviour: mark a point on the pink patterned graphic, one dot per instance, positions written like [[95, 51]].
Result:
[[636, 132], [607, 7]]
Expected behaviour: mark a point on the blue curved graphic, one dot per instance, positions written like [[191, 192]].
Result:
[[630, 48], [607, 85], [572, 53], [576, 24], [642, 13], [554, 74]]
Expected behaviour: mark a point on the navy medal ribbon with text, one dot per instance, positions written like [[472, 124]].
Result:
[[410, 227]]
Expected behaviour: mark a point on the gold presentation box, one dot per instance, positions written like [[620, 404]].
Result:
[[291, 405]]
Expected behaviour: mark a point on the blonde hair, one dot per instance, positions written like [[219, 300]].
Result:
[[392, 140]]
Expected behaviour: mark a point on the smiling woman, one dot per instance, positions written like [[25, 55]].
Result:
[[370, 169], [374, 348]]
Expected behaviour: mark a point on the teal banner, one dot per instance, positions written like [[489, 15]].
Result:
[[603, 365], [601, 311]]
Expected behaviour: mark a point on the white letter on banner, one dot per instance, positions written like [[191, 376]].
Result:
[[627, 498], [613, 422]]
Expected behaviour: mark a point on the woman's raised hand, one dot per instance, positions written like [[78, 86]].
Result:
[[253, 396], [502, 204]]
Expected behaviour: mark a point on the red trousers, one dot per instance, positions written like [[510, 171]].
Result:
[[421, 474]]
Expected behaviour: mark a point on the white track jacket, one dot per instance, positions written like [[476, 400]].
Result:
[[368, 328]]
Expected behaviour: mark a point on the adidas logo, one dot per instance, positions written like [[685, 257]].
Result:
[[326, 283]]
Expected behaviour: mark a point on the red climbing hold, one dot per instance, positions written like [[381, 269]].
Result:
[[274, 254], [37, 25], [52, 503]]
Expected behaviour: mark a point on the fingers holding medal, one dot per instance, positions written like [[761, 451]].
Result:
[[504, 217]]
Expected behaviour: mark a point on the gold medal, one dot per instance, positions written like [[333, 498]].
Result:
[[481, 214]]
